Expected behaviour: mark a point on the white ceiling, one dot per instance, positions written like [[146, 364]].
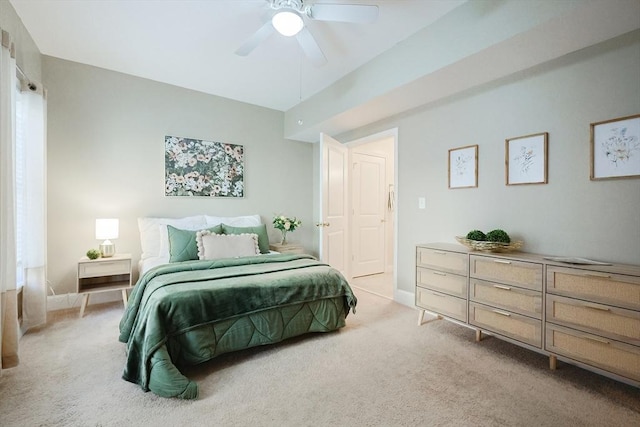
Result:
[[191, 43]]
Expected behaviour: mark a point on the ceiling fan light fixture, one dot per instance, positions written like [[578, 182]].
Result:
[[287, 22]]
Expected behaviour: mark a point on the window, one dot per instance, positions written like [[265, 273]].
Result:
[[20, 187]]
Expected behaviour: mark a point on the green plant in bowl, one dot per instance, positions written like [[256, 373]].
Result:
[[499, 236], [93, 254], [476, 235]]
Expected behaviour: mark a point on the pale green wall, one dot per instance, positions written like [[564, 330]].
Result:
[[570, 215], [106, 159]]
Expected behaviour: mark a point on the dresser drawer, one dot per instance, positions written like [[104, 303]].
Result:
[[452, 262], [522, 301], [104, 268], [518, 273], [612, 289], [515, 326], [447, 305], [448, 283], [610, 355], [613, 322]]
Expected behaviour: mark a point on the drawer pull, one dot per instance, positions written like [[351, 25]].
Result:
[[437, 295], [439, 252], [502, 313], [599, 276], [501, 261], [596, 339], [437, 273], [598, 307], [506, 288]]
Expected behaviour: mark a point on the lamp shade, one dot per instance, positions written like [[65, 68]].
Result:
[[106, 228], [287, 22]]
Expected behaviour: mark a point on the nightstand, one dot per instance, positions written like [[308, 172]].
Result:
[[103, 275], [289, 248]]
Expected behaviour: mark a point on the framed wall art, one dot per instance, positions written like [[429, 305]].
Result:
[[526, 159], [463, 167], [615, 148], [194, 167]]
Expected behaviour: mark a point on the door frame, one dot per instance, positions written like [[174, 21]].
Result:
[[390, 133]]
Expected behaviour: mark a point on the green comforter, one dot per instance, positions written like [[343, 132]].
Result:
[[190, 312]]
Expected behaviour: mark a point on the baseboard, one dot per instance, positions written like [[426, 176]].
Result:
[[74, 300], [404, 298]]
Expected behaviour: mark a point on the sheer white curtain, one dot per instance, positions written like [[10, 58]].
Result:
[[8, 300], [33, 238]]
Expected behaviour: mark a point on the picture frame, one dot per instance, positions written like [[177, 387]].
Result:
[[199, 168], [615, 148], [463, 167], [526, 159]]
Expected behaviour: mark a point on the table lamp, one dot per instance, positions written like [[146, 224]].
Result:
[[106, 229]]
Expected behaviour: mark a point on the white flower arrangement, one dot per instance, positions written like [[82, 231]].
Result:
[[285, 224]]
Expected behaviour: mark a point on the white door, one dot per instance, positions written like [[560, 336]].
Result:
[[368, 225], [334, 203]]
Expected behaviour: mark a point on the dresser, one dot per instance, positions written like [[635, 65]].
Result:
[[586, 315], [441, 282]]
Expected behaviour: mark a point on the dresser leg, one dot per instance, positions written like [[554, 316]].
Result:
[[553, 362], [478, 335], [421, 318]]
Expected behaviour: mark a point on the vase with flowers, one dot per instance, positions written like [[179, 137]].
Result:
[[285, 225]]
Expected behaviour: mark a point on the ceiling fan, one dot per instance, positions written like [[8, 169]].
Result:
[[288, 16]]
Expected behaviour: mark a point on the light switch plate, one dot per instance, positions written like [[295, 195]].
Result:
[[422, 203]]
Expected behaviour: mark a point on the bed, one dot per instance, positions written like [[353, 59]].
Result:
[[188, 312]]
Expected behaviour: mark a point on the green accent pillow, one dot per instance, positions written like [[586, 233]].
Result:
[[260, 230], [182, 243]]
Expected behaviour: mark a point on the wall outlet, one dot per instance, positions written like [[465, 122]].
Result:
[[422, 203]]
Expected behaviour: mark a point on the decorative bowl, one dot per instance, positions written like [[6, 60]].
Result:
[[478, 245]]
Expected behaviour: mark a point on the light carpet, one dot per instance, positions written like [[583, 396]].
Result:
[[380, 370]]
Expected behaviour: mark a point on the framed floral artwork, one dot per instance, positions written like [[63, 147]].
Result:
[[194, 167], [526, 159], [463, 167], [615, 148]]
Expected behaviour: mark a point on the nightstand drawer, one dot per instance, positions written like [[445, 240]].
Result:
[[446, 305], [104, 268], [522, 301], [610, 355], [518, 273], [453, 262], [448, 283], [613, 289], [515, 326], [612, 322]]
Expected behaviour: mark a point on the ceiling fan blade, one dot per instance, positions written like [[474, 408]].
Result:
[[258, 37], [356, 13], [310, 47]]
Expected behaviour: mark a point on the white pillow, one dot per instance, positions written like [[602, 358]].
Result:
[[150, 231], [234, 221], [214, 246]]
